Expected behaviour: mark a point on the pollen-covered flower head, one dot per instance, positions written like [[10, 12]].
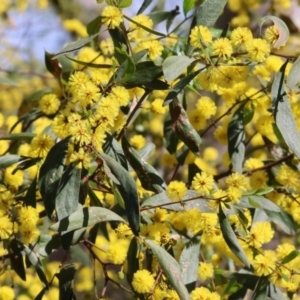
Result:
[[200, 35], [203, 183], [143, 281], [206, 106], [49, 104], [111, 16], [176, 190], [40, 145], [222, 47], [258, 50]]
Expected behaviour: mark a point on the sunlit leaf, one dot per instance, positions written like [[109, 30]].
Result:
[[85, 217], [144, 6], [231, 239], [189, 262], [188, 5], [236, 138], [74, 46], [173, 66], [281, 27], [171, 269], [283, 114], [127, 188], [209, 11], [291, 256], [293, 78]]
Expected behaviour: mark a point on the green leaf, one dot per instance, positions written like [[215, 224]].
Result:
[[30, 197], [291, 256], [89, 64], [133, 259], [10, 159], [171, 269], [283, 114], [124, 3], [36, 263], [261, 289], [85, 217], [189, 262], [127, 188], [149, 177], [51, 172], [248, 115], [231, 239], [283, 220], [94, 26], [144, 6], [114, 149], [16, 258], [293, 77], [41, 294], [162, 198], [66, 277], [144, 27], [5, 80], [26, 163], [126, 69], [183, 128], [146, 151], [19, 136], [68, 190], [236, 138], [47, 244], [170, 135], [145, 73], [179, 86], [188, 5], [74, 46], [281, 27], [254, 201], [174, 66], [119, 38], [209, 11]]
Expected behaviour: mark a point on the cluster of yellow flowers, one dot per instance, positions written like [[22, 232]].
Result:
[[93, 104]]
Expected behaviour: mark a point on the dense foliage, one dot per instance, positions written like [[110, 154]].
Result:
[[156, 163]]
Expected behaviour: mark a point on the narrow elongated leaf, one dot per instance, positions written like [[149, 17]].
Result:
[[114, 149], [170, 135], [90, 64], [283, 114], [127, 188], [149, 177], [162, 198], [47, 244], [74, 46], [94, 26], [120, 42], [174, 66], [126, 69], [258, 202], [171, 269], [10, 159], [51, 172], [41, 294], [236, 138], [261, 289], [291, 256], [293, 78], [22, 136], [36, 263], [283, 220], [132, 259], [85, 217], [16, 258], [66, 201], [124, 3], [144, 6], [30, 197], [189, 262], [146, 151], [209, 11], [65, 278], [281, 27], [231, 239], [183, 128], [146, 72], [179, 86], [188, 5]]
